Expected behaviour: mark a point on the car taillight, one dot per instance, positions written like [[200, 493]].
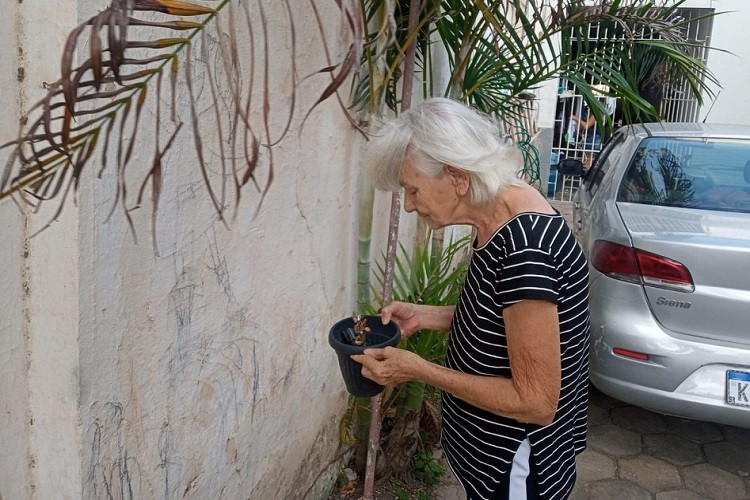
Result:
[[630, 354], [617, 261], [638, 266], [663, 272]]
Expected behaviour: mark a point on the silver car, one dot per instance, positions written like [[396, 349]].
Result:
[[664, 218]]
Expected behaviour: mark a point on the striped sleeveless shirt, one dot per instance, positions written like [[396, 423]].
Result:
[[532, 257]]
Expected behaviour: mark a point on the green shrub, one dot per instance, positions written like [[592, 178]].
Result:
[[427, 469]]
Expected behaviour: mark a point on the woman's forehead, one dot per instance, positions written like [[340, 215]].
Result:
[[408, 172]]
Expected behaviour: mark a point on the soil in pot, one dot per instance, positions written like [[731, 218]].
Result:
[[379, 336]]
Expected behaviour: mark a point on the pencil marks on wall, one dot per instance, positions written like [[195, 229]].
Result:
[[209, 377], [219, 265], [182, 297], [164, 455], [114, 473]]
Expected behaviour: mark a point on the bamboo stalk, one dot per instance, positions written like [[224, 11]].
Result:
[[364, 243], [367, 197]]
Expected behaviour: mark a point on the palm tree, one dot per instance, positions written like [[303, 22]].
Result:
[[498, 52]]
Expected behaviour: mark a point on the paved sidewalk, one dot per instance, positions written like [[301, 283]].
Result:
[[636, 454]]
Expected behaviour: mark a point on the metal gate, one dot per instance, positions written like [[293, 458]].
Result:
[[571, 141]]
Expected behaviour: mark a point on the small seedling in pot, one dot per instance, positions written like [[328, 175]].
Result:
[[353, 335], [356, 335]]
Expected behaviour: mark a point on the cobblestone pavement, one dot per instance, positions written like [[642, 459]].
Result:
[[636, 454]]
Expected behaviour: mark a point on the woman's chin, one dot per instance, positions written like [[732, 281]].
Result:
[[432, 224]]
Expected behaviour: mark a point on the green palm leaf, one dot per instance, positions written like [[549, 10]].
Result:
[[500, 50]]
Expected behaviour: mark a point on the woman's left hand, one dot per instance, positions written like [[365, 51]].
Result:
[[389, 366]]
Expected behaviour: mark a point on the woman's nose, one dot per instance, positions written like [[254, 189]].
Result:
[[408, 203]]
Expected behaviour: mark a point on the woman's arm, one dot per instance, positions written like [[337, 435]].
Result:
[[530, 395], [412, 317], [584, 124]]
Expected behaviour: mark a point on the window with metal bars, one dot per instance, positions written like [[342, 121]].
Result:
[[576, 132]]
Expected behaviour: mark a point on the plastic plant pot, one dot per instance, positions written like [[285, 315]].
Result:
[[379, 336]]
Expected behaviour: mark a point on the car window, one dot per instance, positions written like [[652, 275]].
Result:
[[602, 163], [708, 174]]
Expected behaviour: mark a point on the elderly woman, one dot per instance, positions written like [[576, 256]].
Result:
[[515, 380]]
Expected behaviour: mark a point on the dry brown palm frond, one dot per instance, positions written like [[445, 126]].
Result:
[[99, 105]]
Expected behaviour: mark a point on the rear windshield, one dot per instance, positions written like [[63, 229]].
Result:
[[708, 174]]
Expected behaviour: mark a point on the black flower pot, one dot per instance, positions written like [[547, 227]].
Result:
[[379, 336]]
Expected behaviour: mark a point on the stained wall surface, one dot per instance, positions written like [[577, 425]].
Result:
[[197, 367], [39, 298]]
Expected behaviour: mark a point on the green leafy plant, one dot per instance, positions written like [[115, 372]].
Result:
[[428, 275], [411, 490], [423, 495], [400, 493], [428, 469], [499, 51]]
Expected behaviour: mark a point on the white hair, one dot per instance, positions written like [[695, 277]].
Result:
[[442, 132]]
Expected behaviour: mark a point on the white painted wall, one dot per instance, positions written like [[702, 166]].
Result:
[[15, 473], [39, 374], [201, 372], [730, 33]]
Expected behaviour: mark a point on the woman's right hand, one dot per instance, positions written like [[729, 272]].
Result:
[[406, 315]]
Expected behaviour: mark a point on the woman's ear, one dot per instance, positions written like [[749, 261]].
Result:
[[459, 178]]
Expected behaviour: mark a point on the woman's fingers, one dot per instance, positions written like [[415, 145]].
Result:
[[379, 354], [368, 374], [387, 312], [371, 356], [375, 365], [385, 315], [369, 366], [403, 314]]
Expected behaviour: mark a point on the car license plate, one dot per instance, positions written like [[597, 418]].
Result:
[[738, 388]]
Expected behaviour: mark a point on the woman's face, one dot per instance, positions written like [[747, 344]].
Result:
[[434, 199]]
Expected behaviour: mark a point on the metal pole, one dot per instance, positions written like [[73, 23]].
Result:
[[377, 401]]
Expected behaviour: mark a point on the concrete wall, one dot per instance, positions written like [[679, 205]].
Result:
[[15, 473], [732, 69], [39, 305], [202, 371]]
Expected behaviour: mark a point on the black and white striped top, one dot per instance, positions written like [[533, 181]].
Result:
[[532, 256]]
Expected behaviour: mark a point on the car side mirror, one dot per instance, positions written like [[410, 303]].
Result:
[[571, 166]]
